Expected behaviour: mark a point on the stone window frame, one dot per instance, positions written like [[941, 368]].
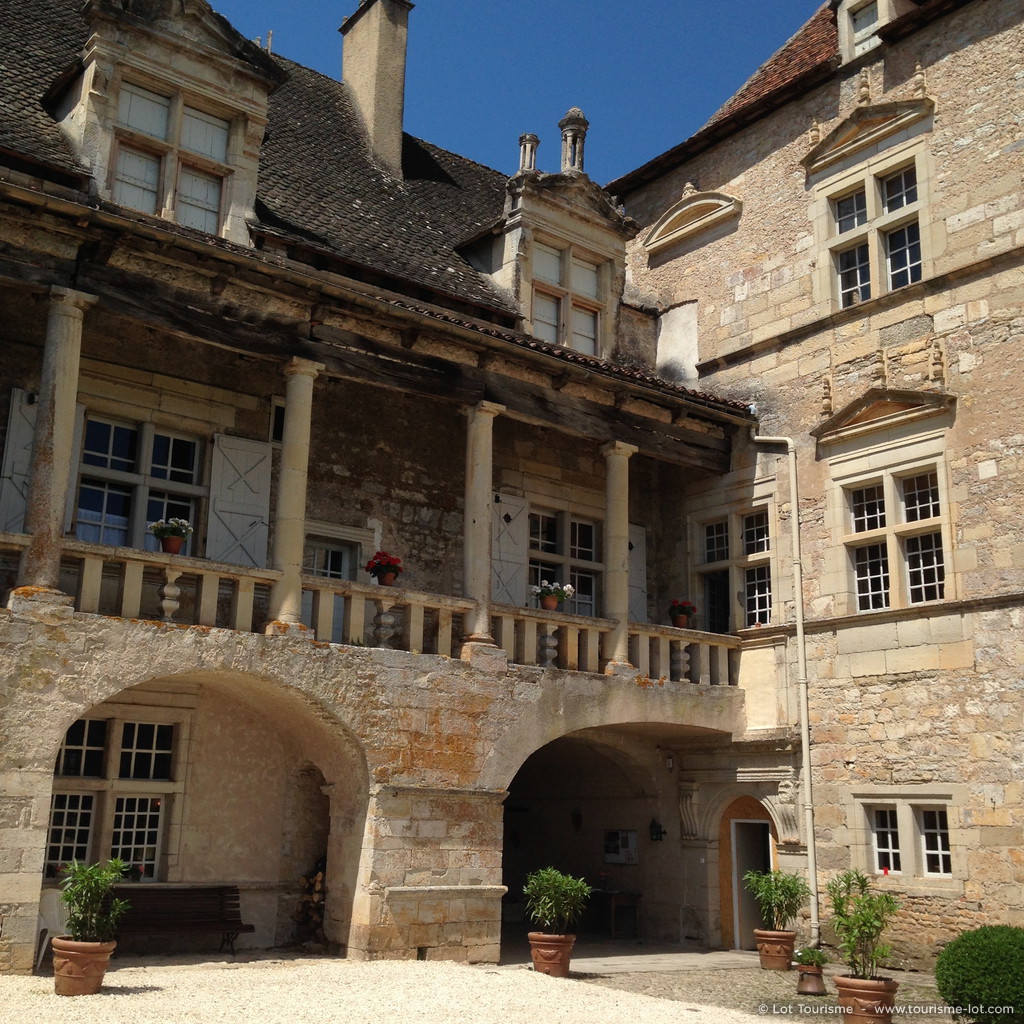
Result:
[[106, 789], [909, 803], [141, 480], [568, 300], [745, 566], [854, 44], [887, 464], [881, 225], [170, 151], [359, 542]]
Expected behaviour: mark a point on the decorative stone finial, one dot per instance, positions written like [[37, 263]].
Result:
[[920, 88], [864, 89]]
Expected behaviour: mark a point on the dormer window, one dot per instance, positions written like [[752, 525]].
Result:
[[568, 298], [171, 159]]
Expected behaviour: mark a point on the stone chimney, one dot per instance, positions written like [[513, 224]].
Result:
[[373, 68], [574, 134]]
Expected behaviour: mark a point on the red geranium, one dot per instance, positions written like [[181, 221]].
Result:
[[382, 562]]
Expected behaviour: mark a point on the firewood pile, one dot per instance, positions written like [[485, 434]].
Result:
[[309, 910]]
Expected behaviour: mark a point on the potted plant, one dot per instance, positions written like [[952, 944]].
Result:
[[554, 903], [384, 568], [679, 613], [779, 896], [80, 958], [551, 595], [810, 963], [172, 533], [859, 916]]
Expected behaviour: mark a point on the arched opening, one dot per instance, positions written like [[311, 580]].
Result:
[[584, 804], [216, 779]]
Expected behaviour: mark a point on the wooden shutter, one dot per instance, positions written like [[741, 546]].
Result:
[[239, 501], [510, 549], [638, 574], [17, 464]]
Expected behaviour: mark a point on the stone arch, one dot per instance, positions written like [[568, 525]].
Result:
[[267, 782]]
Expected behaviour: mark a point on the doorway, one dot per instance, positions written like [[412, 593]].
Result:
[[751, 851]]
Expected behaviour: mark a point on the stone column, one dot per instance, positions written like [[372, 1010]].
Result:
[[616, 551], [52, 446], [477, 529], [290, 515]]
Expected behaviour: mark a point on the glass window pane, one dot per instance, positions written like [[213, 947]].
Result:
[[545, 317], [205, 134], [758, 595], [854, 275], [68, 836], [109, 445], [584, 601], [900, 189], [868, 505], [871, 566], [547, 264], [926, 570], [582, 542], [103, 512], [851, 211], [136, 834], [887, 840], [755, 533], [144, 111], [174, 458], [716, 541], [543, 531], [903, 255], [921, 497]]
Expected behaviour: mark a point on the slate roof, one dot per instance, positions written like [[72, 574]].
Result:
[[317, 184]]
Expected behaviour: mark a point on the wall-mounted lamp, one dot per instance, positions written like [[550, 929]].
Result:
[[656, 831], [670, 762]]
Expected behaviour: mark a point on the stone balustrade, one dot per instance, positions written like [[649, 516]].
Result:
[[196, 591]]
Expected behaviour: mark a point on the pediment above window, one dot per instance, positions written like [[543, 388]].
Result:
[[881, 409], [866, 126], [695, 212]]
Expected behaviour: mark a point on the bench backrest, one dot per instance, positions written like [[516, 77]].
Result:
[[203, 903]]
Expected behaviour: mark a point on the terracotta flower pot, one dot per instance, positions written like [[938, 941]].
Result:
[[866, 1000], [78, 967], [775, 949], [387, 579], [551, 953], [810, 982], [549, 602], [172, 545], [681, 621]]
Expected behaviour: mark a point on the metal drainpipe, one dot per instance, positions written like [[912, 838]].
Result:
[[801, 660]]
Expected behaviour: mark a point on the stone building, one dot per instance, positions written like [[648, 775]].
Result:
[[235, 292], [841, 246]]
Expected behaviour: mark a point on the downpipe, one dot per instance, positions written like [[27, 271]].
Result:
[[801, 661]]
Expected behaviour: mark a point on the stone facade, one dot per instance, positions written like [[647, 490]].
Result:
[[915, 706], [308, 384]]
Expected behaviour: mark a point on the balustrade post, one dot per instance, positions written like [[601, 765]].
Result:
[[616, 455]]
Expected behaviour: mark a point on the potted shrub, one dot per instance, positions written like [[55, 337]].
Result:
[[80, 958], [551, 595], [385, 568], [172, 533], [779, 896], [810, 963], [554, 903], [859, 916], [984, 969], [680, 612]]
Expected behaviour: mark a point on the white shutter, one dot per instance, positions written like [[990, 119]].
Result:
[[239, 501], [638, 574], [17, 464], [510, 549]]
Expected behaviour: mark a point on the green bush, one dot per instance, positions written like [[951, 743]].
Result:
[[87, 895], [555, 902], [984, 968], [779, 896]]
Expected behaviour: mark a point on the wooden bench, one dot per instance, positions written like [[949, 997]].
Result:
[[157, 909]]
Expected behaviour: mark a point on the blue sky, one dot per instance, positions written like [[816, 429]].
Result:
[[647, 73]]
